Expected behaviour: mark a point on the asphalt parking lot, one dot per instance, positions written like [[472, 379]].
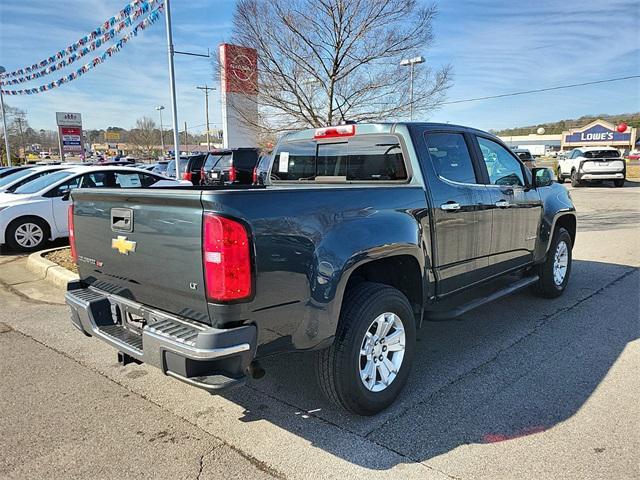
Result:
[[522, 388]]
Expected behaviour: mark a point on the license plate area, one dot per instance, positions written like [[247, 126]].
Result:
[[131, 316]]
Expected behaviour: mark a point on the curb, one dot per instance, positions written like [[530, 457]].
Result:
[[50, 271]]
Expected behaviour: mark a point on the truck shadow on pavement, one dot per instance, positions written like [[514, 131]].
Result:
[[517, 367]]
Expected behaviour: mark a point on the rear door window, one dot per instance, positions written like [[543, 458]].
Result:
[[451, 158], [361, 158]]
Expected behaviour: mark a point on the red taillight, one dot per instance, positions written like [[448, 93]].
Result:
[[254, 176], [338, 131], [227, 261], [187, 176], [72, 235], [233, 174]]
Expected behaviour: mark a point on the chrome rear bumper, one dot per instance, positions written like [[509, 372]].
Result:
[[203, 356]]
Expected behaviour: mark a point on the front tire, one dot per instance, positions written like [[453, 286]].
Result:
[[370, 359], [555, 271], [618, 183], [27, 234]]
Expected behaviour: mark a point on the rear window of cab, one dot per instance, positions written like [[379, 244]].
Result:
[[365, 158]]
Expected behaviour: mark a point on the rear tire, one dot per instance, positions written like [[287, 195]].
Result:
[[619, 183], [374, 322], [27, 234], [575, 182], [555, 271], [561, 178]]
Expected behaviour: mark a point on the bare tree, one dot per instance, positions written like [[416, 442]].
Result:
[[324, 61], [144, 136]]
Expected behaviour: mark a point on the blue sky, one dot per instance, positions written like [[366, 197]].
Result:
[[494, 47]]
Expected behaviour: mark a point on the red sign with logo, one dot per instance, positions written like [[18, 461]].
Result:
[[239, 69], [71, 139]]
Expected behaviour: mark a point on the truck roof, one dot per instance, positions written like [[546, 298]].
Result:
[[378, 127]]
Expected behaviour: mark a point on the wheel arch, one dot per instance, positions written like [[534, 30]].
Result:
[[567, 221], [403, 272]]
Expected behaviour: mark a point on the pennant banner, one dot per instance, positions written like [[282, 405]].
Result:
[[109, 52], [95, 44], [103, 30]]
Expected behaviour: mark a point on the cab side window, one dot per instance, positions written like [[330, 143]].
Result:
[[503, 168], [450, 156]]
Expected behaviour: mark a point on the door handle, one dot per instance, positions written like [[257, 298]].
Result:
[[502, 204], [450, 206]]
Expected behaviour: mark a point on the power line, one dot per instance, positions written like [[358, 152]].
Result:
[[525, 92]]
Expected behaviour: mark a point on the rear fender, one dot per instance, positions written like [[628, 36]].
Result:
[[344, 250]]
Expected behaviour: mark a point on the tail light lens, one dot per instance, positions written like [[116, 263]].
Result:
[[233, 174], [254, 176], [227, 261], [187, 176], [72, 235]]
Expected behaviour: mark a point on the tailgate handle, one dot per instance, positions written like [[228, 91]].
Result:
[[122, 220]]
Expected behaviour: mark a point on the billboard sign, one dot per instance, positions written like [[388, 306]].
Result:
[[69, 132], [71, 138], [112, 136], [68, 119]]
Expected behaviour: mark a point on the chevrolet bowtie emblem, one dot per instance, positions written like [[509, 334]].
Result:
[[123, 245]]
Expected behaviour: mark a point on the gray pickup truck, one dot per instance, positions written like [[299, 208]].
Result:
[[361, 233]]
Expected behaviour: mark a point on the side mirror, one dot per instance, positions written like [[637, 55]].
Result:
[[542, 177], [66, 194]]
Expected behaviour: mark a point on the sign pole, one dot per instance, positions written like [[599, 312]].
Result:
[[172, 85]]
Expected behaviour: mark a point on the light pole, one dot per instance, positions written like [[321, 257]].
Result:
[[172, 86], [4, 123], [411, 62], [160, 108], [206, 110]]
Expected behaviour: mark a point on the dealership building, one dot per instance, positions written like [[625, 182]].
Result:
[[598, 133]]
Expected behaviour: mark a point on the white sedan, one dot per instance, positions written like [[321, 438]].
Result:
[[25, 175], [36, 212]]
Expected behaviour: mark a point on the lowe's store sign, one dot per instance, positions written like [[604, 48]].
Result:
[[598, 134]]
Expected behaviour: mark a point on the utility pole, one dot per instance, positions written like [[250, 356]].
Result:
[[186, 142], [206, 110], [4, 123], [24, 152], [411, 62], [172, 85]]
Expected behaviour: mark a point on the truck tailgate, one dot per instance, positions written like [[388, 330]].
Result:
[[144, 245]]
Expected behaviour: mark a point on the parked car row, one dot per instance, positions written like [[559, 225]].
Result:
[[34, 201], [236, 166]]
